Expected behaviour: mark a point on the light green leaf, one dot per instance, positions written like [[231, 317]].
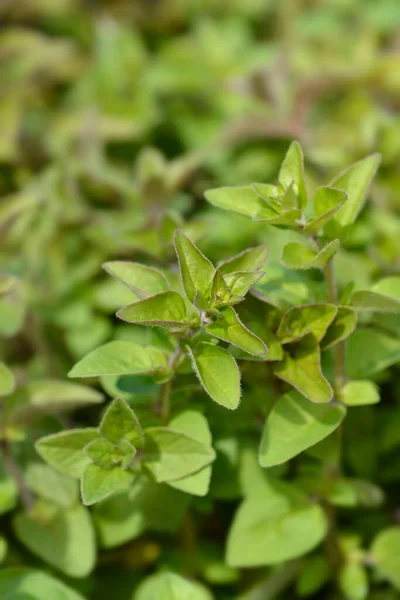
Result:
[[240, 282], [3, 548], [302, 369], [293, 425], [385, 552], [50, 395], [274, 525], [51, 485], [166, 310], [220, 292], [98, 483], [120, 422], [119, 358], [355, 181], [7, 381], [314, 575], [287, 217], [388, 286], [297, 256], [169, 586], [292, 173], [8, 494], [196, 426], [229, 328], [370, 351], [218, 373], [144, 281], [359, 393], [107, 455], [309, 320], [64, 538], [171, 455], [243, 200], [342, 326], [145, 505], [327, 202], [64, 450], [353, 581], [197, 272], [26, 584], [371, 301], [248, 260]]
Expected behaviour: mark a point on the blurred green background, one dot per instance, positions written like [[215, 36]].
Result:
[[116, 116]]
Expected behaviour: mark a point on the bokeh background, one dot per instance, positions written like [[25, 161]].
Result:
[[116, 116]]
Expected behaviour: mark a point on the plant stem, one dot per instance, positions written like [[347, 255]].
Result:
[[275, 583], [332, 546], [15, 472], [164, 400], [339, 350]]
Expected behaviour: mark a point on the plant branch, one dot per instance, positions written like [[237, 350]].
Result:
[[275, 584]]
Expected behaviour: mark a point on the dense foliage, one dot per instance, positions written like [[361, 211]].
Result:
[[199, 333]]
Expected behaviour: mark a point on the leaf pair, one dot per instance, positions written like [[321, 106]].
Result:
[[103, 458], [275, 205], [302, 330]]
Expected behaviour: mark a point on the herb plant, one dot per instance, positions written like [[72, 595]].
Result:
[[199, 373]]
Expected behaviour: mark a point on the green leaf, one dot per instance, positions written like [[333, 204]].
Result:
[[166, 310], [98, 483], [145, 505], [371, 301], [171, 455], [7, 380], [229, 328], [388, 286], [64, 538], [196, 426], [292, 173], [302, 369], [369, 351], [197, 272], [359, 393], [355, 181], [274, 525], [218, 373], [341, 328], [327, 202], [120, 422], [8, 494], [240, 282], [107, 455], [309, 320], [287, 217], [243, 200], [51, 485], [64, 450], [144, 281], [313, 576], [49, 395], [297, 256], [119, 358], [220, 292], [3, 548], [293, 425], [169, 586], [248, 260], [385, 552], [26, 584], [353, 581]]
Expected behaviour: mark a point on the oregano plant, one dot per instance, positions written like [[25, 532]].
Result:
[[233, 390], [271, 341]]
